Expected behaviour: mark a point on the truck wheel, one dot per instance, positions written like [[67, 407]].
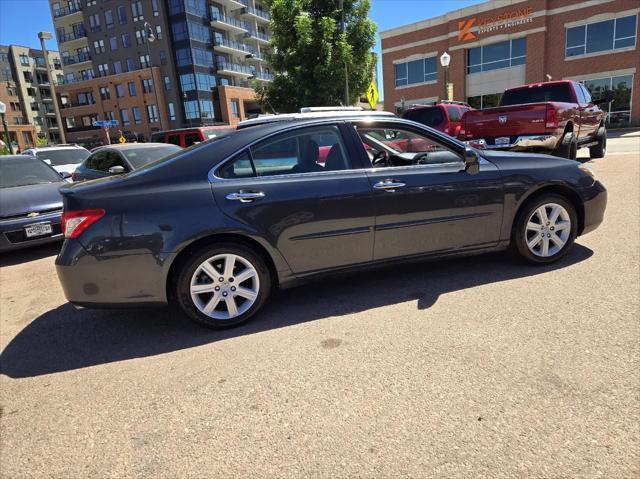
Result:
[[568, 148], [600, 149]]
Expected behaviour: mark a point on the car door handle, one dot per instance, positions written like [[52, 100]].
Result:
[[389, 185], [245, 196]]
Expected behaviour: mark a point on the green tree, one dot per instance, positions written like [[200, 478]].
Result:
[[310, 51]]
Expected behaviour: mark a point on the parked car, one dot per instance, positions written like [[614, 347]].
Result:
[[445, 116], [185, 137], [557, 117], [216, 227], [64, 158], [118, 159], [30, 203]]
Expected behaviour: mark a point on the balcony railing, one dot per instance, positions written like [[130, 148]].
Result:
[[235, 45], [62, 12], [67, 37], [263, 76], [254, 11], [229, 21], [235, 67], [260, 36], [79, 58]]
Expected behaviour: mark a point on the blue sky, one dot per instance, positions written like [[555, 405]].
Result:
[[21, 20]]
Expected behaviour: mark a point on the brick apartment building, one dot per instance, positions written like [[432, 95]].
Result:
[[504, 43], [205, 55], [25, 89]]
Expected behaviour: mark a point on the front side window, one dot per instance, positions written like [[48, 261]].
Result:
[[396, 147], [602, 36], [496, 56], [310, 150]]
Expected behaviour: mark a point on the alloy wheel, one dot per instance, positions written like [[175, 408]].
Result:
[[224, 286], [548, 229]]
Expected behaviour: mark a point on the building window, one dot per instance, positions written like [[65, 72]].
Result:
[[180, 31], [205, 82], [85, 98], [145, 62], [117, 67], [235, 108], [98, 46], [191, 109], [172, 111], [113, 43], [126, 40], [124, 117], [206, 109], [119, 90], [91, 3], [163, 57], [94, 22], [132, 88], [498, 55], [183, 57], [24, 60], [484, 101], [136, 11], [152, 112], [159, 32], [109, 115], [122, 14], [416, 71], [131, 65], [137, 116], [154, 8], [619, 110], [103, 70], [140, 37], [167, 83], [147, 85], [176, 6], [108, 19], [601, 36], [86, 74], [187, 83], [71, 122], [105, 94]]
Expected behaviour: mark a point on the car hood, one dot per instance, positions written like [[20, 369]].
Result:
[[21, 200]]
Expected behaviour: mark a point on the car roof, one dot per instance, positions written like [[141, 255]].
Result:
[[181, 130], [129, 146], [328, 114], [57, 147]]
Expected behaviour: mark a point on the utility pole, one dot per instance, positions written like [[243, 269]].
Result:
[[346, 71], [52, 81], [152, 38]]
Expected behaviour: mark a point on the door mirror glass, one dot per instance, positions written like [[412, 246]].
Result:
[[471, 161], [116, 170]]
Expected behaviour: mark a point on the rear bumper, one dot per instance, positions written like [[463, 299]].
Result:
[[523, 142], [112, 280], [595, 205], [13, 236]]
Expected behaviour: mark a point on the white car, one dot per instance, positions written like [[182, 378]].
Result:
[[63, 158]]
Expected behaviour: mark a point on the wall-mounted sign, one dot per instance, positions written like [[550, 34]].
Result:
[[494, 23]]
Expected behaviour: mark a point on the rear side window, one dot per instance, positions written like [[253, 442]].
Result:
[[103, 160], [454, 113], [157, 138], [191, 138], [240, 167], [174, 139], [95, 160], [560, 92], [426, 116]]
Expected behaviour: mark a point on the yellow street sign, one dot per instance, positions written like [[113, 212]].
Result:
[[372, 95], [449, 91], [122, 139]]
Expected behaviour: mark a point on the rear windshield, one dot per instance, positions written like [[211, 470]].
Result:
[[142, 156], [560, 92], [210, 134], [426, 116], [67, 156], [25, 170]]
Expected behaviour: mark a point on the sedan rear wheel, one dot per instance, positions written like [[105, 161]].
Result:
[[223, 285], [545, 229]]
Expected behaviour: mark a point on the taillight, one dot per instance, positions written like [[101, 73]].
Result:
[[551, 120], [75, 222]]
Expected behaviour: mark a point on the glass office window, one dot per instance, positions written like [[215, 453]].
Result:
[[608, 35], [497, 55], [416, 71]]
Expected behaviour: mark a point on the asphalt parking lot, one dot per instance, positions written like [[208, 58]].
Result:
[[477, 367]]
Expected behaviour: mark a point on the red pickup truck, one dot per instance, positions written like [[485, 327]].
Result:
[[556, 117]]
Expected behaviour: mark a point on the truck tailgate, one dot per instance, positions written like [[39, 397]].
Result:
[[505, 121]]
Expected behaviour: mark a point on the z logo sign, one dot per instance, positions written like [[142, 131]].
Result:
[[463, 30]]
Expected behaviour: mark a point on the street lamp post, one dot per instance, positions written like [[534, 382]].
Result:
[[48, 36], [444, 61], [3, 109], [151, 38]]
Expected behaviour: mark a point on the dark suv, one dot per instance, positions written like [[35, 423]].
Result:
[[445, 116]]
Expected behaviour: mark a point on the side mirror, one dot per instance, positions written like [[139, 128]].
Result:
[[471, 161], [116, 170], [65, 174]]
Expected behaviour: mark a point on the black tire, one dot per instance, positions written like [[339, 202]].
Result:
[[191, 265], [568, 147], [520, 235], [600, 149]]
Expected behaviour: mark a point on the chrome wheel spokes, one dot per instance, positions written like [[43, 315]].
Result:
[[548, 229]]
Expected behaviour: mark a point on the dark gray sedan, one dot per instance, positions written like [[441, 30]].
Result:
[[118, 159], [216, 227], [30, 203]]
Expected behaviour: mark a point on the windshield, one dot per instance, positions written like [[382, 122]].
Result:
[[68, 156], [25, 170], [426, 116], [142, 156], [539, 94]]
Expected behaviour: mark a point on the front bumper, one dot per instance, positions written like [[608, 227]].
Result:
[[595, 204], [13, 235], [523, 142]]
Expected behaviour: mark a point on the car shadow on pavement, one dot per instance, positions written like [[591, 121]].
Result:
[[64, 339], [12, 258]]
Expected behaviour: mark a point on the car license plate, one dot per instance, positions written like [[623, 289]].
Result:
[[39, 229], [502, 140]]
